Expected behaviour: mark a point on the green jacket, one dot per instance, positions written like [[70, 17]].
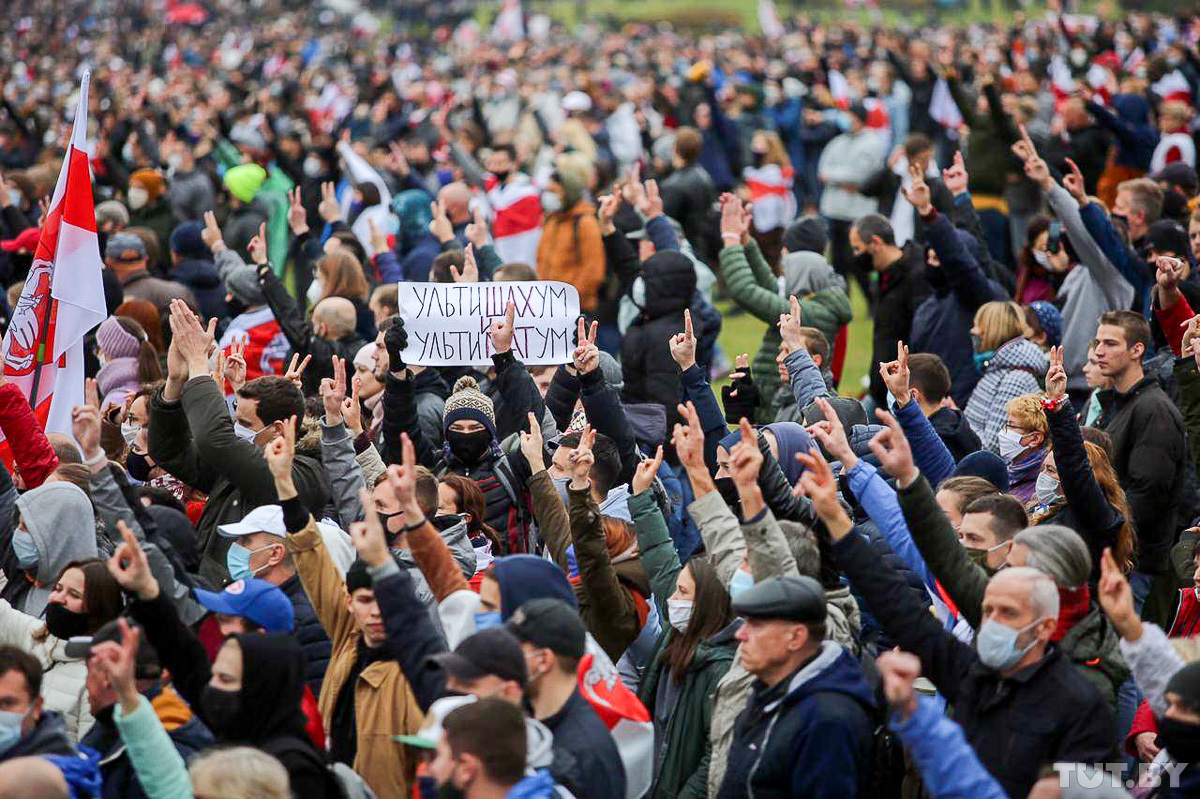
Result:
[[756, 289], [273, 192], [681, 769], [1091, 644]]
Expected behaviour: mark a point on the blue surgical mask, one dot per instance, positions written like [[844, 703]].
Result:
[[237, 560], [1046, 489], [996, 644], [742, 580], [10, 729], [245, 433], [487, 620], [26, 550]]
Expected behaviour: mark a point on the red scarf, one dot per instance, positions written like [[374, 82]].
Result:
[[1073, 605]]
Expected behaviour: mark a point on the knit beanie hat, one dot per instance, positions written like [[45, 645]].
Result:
[[242, 283], [806, 234], [187, 242], [468, 402], [115, 341], [1050, 318], [244, 181]]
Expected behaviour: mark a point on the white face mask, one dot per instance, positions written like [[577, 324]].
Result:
[[313, 166], [679, 613], [129, 432], [243, 432], [14, 197], [175, 161], [315, 290], [1046, 489], [552, 202], [137, 197], [1010, 445]]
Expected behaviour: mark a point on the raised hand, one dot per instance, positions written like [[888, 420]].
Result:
[[85, 428], [647, 470], [191, 338], [1056, 375], [333, 392], [893, 451], [477, 230], [352, 410], [1116, 598], [211, 233], [1189, 345], [955, 176], [832, 435], [235, 366], [918, 192], [378, 237], [688, 439], [280, 454], [532, 445], [1073, 183], [790, 324], [470, 269], [258, 246], [440, 225], [368, 536], [1168, 277], [746, 458], [118, 662], [605, 213], [295, 370], [651, 202], [586, 356], [396, 160], [683, 345], [130, 568], [582, 459], [895, 375], [329, 208], [899, 671], [819, 485], [731, 220], [402, 479], [502, 331], [297, 217]]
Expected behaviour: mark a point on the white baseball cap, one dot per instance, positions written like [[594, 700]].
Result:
[[263, 519]]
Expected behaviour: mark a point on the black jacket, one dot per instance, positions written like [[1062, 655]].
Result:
[[193, 439], [603, 408], [48, 737], [300, 334], [269, 714], [902, 288], [651, 374], [884, 185], [809, 735], [1148, 440], [580, 732], [688, 195], [952, 428], [1043, 714], [309, 632]]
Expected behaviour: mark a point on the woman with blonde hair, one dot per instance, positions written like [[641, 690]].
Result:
[[340, 274], [1009, 364], [1078, 487]]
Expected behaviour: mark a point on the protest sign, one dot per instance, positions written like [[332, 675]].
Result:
[[447, 323]]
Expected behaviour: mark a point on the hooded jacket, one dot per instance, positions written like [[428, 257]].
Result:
[[902, 289], [1018, 367], [59, 517], [458, 541], [48, 737], [824, 303], [201, 276], [1136, 137], [809, 735], [951, 426], [651, 374]]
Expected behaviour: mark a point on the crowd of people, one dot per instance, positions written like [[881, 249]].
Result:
[[271, 558]]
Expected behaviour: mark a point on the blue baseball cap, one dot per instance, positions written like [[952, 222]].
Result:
[[257, 600]]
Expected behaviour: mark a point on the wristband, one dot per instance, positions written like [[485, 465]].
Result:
[[1053, 404], [408, 528], [99, 456]]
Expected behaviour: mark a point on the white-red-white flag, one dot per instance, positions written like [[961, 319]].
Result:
[[63, 296], [768, 19], [1173, 86], [942, 107], [510, 24]]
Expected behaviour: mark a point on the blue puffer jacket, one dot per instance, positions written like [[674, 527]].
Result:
[[309, 632], [809, 736]]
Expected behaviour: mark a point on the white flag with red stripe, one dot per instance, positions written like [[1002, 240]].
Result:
[[63, 296], [942, 107], [624, 715], [1173, 86]]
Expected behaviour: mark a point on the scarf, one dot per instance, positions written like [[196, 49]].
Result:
[[1073, 605]]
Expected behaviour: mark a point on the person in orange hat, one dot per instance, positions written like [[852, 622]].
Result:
[[149, 207]]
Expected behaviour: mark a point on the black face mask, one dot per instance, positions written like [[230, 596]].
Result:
[[863, 262], [235, 307], [1181, 739], [728, 491], [469, 447], [63, 623], [502, 176], [759, 159], [220, 710], [138, 466]]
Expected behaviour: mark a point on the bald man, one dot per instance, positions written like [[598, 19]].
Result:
[[32, 778], [331, 331], [456, 197]]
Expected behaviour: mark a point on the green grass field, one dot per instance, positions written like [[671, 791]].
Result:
[[743, 333]]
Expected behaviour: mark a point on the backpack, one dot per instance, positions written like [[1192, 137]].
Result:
[[341, 781], [516, 523]]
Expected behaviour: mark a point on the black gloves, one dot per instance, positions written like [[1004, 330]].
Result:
[[741, 397], [395, 341]]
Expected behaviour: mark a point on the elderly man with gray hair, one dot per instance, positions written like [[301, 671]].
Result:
[[1022, 704]]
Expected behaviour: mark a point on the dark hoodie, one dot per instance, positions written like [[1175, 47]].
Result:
[[1136, 138], [809, 735], [651, 374], [526, 577], [952, 428], [200, 275], [48, 737], [269, 715]]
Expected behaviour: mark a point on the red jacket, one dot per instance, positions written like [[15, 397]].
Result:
[[1185, 625], [32, 454]]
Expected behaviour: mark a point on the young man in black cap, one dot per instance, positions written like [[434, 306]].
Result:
[[554, 641], [806, 730]]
